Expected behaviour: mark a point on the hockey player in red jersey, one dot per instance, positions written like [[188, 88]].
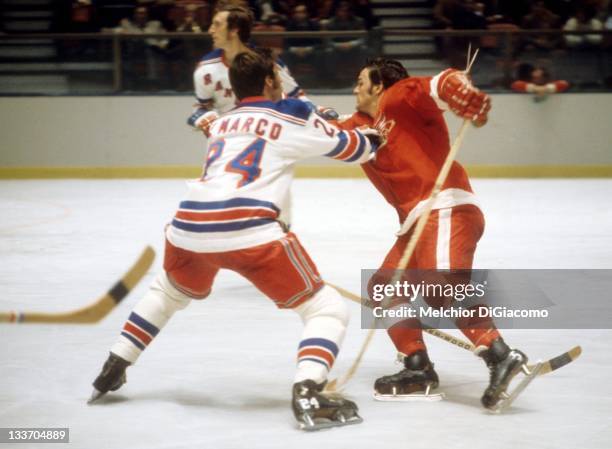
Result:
[[408, 113], [230, 219]]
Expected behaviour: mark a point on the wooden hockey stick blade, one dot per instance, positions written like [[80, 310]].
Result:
[[97, 310], [560, 361]]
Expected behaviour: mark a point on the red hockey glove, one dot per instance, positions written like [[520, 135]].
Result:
[[463, 98]]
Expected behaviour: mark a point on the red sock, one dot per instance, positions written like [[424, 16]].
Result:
[[406, 339]]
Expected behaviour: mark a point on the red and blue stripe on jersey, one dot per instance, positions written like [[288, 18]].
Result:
[[351, 146], [224, 216]]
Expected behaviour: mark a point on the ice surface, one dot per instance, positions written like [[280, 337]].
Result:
[[220, 373]]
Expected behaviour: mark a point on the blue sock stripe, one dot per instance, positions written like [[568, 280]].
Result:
[[324, 343], [144, 324], [136, 343], [314, 360]]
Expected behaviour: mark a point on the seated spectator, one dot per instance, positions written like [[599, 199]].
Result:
[[140, 24], [346, 20], [346, 52], [541, 18], [363, 9], [583, 20], [143, 62], [301, 48], [273, 22], [468, 15], [443, 13], [537, 81]]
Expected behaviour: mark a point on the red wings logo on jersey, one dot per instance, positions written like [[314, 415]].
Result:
[[384, 127]]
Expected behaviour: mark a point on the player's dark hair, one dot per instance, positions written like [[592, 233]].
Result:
[[239, 18], [249, 70], [385, 71]]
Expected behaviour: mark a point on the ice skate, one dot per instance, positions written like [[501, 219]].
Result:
[[414, 382], [111, 378], [505, 363], [315, 410]]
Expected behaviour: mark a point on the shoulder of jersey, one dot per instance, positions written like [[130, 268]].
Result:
[[289, 109], [213, 57]]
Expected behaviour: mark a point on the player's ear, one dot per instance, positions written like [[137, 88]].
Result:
[[377, 89]]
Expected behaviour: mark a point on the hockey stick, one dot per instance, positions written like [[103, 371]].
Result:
[[414, 238], [97, 310], [548, 366]]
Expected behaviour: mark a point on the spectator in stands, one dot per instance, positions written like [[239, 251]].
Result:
[[143, 61], [301, 49], [273, 22], [287, 7], [363, 9], [346, 20], [443, 13], [541, 18], [537, 81], [583, 20], [469, 15], [346, 52]]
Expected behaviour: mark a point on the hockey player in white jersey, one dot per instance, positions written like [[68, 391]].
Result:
[[230, 30], [229, 219]]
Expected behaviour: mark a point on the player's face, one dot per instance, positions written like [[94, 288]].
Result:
[[365, 93], [218, 30]]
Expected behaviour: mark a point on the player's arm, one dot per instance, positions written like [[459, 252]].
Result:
[[204, 113], [317, 137], [456, 91]]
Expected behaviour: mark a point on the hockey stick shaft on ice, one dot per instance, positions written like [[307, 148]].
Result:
[[547, 366], [96, 310]]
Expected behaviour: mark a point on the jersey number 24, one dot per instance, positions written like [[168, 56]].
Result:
[[246, 163]]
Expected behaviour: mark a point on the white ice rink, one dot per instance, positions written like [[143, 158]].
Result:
[[219, 375]]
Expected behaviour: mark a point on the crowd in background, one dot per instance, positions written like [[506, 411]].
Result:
[[569, 15], [309, 56]]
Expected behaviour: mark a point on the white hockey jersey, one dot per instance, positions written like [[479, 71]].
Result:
[[212, 85], [245, 184]]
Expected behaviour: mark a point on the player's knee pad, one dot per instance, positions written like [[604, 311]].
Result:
[[327, 302], [171, 298]]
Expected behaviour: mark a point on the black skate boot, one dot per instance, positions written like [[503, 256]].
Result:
[[504, 363], [415, 381], [111, 378], [315, 410]]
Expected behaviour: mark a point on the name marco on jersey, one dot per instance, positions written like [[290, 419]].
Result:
[[260, 126]]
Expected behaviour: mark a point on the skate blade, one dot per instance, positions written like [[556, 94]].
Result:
[[417, 396], [506, 402], [95, 395], [310, 425], [412, 397]]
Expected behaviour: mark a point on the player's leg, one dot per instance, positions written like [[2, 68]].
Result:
[[418, 377], [466, 224], [186, 276], [287, 275]]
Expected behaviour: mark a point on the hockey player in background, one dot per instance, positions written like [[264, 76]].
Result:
[[408, 113], [230, 30], [229, 220]]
